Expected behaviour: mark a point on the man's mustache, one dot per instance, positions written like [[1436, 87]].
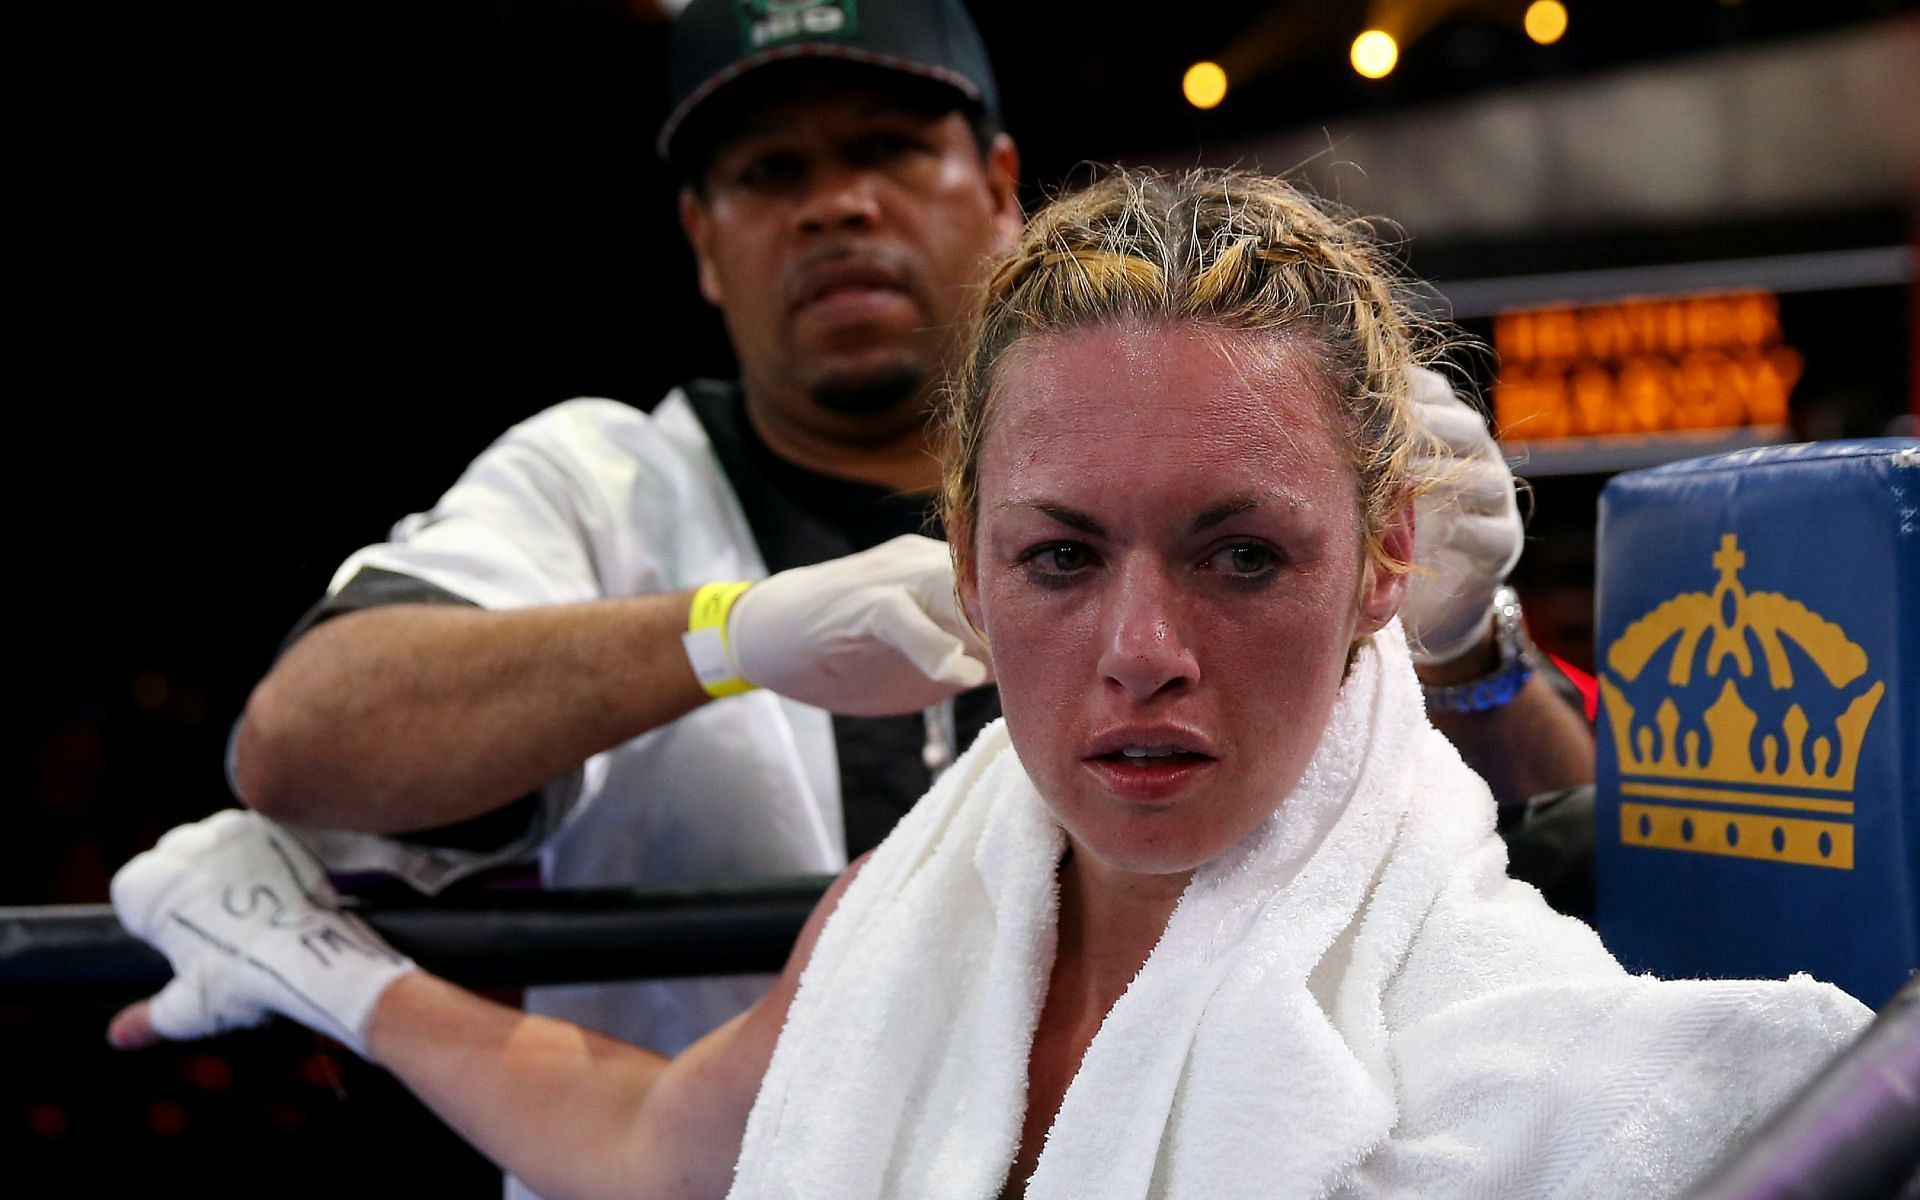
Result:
[[837, 267]]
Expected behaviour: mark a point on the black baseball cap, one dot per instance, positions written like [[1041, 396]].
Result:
[[716, 42]]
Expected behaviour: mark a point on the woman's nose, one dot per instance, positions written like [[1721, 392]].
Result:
[[1144, 651]]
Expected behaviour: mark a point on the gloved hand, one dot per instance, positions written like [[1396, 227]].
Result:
[[252, 927], [1466, 529], [873, 633]]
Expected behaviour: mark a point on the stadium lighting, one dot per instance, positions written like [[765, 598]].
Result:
[[1375, 53], [1204, 85], [1546, 21]]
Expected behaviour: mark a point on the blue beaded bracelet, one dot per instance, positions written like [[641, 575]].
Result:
[[1516, 665]]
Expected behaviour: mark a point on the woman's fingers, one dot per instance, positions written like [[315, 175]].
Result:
[[132, 1027]]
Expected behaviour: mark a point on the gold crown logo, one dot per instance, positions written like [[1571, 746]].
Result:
[[1659, 760]]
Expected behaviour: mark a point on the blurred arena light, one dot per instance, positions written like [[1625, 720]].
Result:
[[1374, 53], [1546, 21], [1204, 85]]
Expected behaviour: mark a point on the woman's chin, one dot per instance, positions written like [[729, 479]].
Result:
[[1159, 830], [1147, 844]]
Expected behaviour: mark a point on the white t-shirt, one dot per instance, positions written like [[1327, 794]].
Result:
[[594, 499]]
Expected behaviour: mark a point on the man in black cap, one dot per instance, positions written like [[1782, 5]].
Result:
[[564, 658]]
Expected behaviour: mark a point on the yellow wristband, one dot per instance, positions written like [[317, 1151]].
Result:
[[706, 639]]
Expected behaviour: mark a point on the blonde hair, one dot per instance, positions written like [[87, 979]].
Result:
[[1225, 250]]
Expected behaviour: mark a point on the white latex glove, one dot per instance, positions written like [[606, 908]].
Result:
[[873, 633], [1466, 529], [252, 927]]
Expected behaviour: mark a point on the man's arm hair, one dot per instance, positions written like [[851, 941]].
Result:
[[414, 716], [1535, 743]]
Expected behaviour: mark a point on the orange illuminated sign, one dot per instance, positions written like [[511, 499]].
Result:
[[1643, 366]]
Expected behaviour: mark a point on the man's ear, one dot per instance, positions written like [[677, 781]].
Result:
[[1383, 591], [698, 224], [1003, 183]]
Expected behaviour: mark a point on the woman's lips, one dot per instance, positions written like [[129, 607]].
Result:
[[1148, 780]]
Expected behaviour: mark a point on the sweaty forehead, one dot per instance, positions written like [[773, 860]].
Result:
[[1181, 388]]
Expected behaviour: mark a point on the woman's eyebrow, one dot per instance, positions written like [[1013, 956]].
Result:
[[1214, 514], [1231, 507], [1072, 518]]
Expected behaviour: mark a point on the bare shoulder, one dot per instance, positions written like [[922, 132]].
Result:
[[705, 1098], [771, 1012]]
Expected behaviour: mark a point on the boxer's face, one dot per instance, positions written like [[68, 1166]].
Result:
[[842, 231], [1168, 559]]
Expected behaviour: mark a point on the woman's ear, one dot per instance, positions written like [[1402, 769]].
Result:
[[966, 582], [1382, 590]]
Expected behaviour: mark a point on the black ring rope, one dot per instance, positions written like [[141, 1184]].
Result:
[[1853, 1133], [483, 939]]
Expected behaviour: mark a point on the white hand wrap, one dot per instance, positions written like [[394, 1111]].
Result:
[[252, 927], [872, 633], [1467, 531]]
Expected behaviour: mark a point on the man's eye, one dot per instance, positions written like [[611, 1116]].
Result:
[[773, 170], [881, 148]]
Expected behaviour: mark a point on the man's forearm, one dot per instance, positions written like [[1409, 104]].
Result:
[[412, 717], [1535, 743]]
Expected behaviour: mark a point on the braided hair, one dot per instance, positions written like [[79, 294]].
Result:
[[1228, 250]]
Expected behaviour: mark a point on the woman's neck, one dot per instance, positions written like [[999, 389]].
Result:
[[1110, 922]]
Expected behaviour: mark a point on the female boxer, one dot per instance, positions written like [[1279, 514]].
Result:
[[1215, 912]]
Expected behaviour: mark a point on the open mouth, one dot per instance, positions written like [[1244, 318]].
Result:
[[1152, 756], [1147, 772]]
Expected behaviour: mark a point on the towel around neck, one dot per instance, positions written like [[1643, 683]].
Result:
[[1353, 1000]]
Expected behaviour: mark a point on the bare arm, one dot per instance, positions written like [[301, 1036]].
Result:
[[570, 1112], [1536, 743], [416, 716], [574, 1114], [567, 1111], [493, 1074]]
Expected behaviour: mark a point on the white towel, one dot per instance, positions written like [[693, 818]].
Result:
[[1352, 1001]]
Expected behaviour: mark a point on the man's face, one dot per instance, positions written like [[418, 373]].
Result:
[[841, 232]]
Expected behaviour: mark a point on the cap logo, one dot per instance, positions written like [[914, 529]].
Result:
[[765, 23]]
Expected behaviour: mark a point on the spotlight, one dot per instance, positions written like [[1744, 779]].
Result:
[[1375, 53], [1546, 21], [1205, 84]]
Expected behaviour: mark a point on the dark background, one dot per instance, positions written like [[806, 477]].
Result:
[[281, 271]]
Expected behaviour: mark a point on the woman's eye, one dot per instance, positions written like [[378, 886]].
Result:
[[1061, 558], [1244, 559]]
